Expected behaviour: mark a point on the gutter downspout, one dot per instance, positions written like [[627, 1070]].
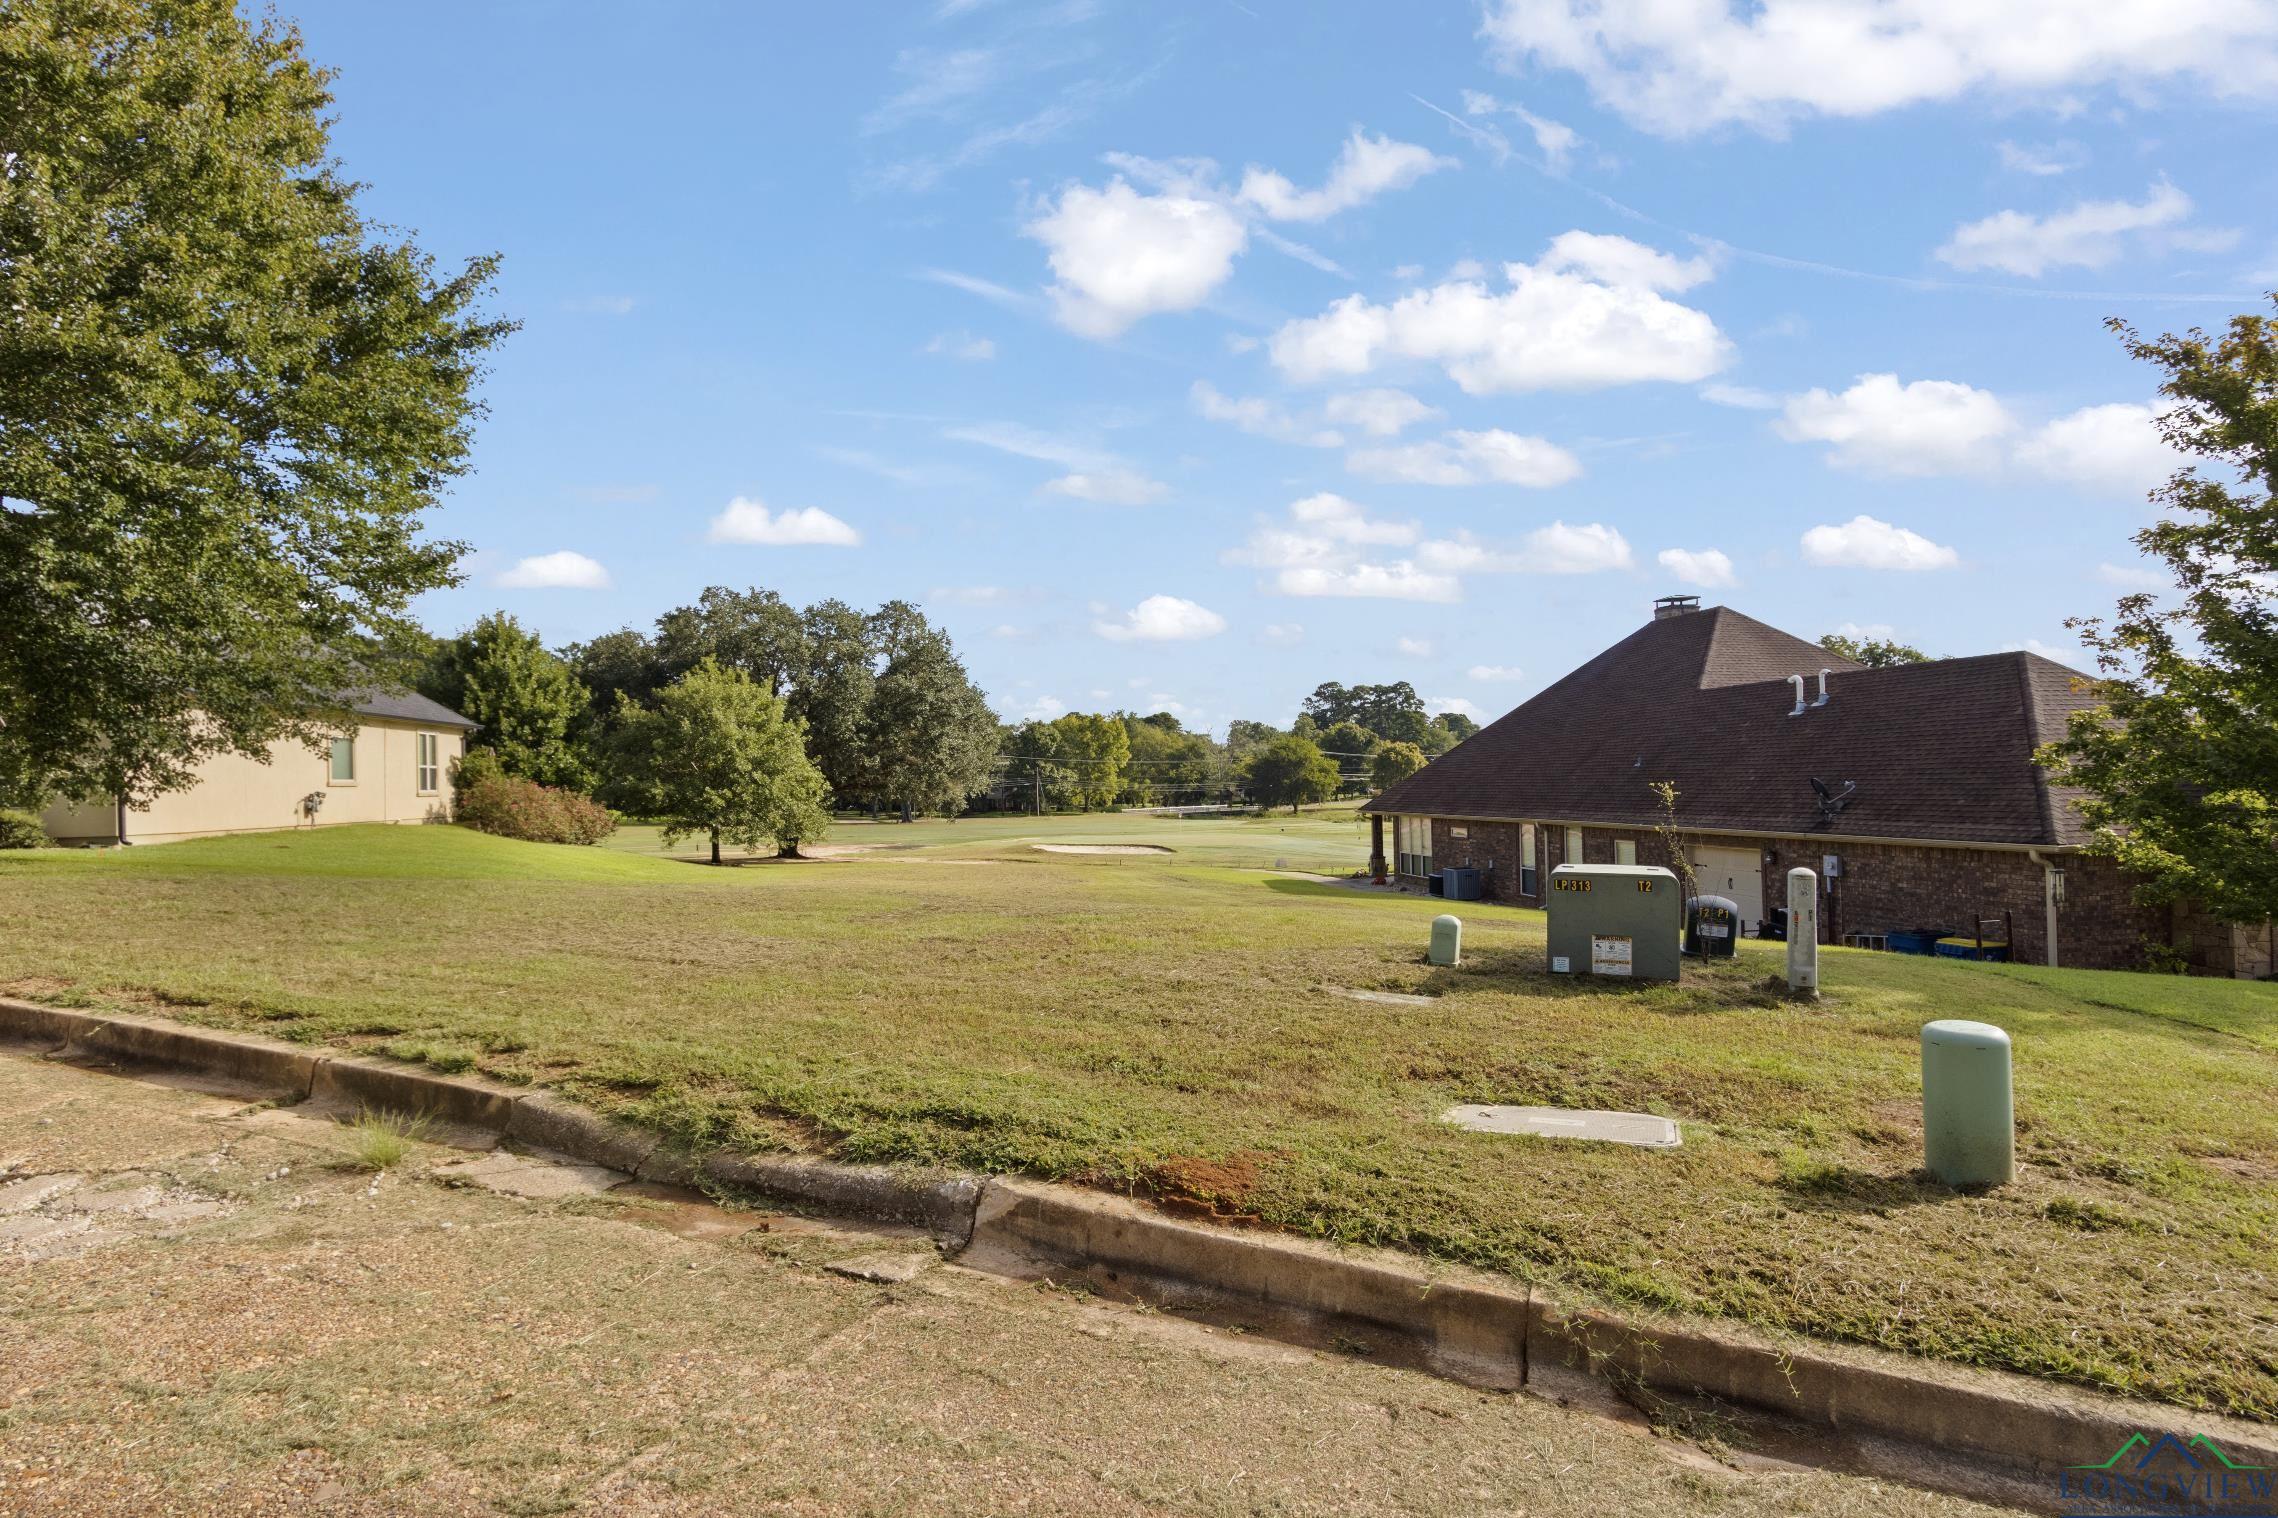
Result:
[[122, 820], [2048, 900]]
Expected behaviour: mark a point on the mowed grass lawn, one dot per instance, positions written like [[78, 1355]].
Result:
[[1160, 1024]]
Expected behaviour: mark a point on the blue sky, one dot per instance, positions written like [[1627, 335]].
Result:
[[1186, 356]]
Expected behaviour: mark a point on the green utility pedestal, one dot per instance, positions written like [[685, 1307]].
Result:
[[1447, 939], [1969, 1122]]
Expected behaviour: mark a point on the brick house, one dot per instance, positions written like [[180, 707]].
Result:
[[1933, 813]]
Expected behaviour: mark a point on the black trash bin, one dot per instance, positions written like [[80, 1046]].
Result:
[[1712, 924]]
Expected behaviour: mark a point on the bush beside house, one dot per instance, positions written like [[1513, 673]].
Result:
[[491, 801]]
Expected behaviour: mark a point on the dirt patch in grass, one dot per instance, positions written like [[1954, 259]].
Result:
[[1223, 1190]]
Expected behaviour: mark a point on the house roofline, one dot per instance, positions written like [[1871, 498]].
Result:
[[1724, 832]]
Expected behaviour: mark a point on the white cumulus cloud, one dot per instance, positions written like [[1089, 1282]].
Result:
[[1708, 568], [1368, 167], [2115, 448], [1496, 672], [1283, 634], [1690, 67], [555, 571], [1441, 705], [748, 521], [2089, 235], [1381, 412], [1118, 255], [1329, 546], [1591, 312], [1163, 619], [1923, 428], [1867, 542], [1260, 417], [1414, 648], [1470, 458]]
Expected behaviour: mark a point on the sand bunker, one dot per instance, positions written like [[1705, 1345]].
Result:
[[1101, 848]]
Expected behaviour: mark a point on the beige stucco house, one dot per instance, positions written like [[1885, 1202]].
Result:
[[395, 767]]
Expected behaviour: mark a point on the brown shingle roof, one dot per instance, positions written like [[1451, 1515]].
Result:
[[1938, 751]]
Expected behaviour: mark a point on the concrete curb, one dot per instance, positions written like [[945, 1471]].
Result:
[[1467, 1332], [943, 1205], [1471, 1330]]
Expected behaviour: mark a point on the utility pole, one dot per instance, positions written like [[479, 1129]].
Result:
[[1039, 766]]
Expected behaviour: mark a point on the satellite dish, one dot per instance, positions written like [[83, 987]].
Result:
[[1832, 802], [1820, 786]]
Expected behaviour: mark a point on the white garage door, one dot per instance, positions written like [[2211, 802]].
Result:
[[1735, 873]]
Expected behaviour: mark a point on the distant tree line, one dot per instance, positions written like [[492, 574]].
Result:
[[1345, 740], [741, 718]]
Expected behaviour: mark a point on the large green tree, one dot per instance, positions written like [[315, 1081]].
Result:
[[715, 755], [2180, 761], [1289, 771], [832, 688], [528, 701], [1167, 763], [1394, 763], [929, 739], [1394, 712], [226, 399], [753, 630]]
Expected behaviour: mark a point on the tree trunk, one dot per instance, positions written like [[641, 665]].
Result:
[[906, 817], [789, 851], [715, 845]]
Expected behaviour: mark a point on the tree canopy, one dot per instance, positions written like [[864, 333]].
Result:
[[527, 700], [715, 755], [929, 740], [1874, 653], [1394, 763], [2180, 761], [1289, 771], [226, 400]]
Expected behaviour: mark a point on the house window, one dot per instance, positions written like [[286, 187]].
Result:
[[343, 761], [1526, 860], [1573, 845], [1625, 851], [1412, 844], [430, 763]]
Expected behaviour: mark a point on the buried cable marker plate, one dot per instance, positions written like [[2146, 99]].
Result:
[[1640, 1128]]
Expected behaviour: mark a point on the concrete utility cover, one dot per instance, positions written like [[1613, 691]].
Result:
[[1383, 998], [1640, 1128]]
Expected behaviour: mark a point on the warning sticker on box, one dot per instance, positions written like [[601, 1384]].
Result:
[[1559, 966], [1609, 956]]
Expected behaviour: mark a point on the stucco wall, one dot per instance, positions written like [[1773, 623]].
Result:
[[236, 794]]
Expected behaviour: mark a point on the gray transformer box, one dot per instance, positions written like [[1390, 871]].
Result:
[[1622, 921]]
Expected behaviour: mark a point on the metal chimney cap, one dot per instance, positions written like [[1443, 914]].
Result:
[[1666, 607]]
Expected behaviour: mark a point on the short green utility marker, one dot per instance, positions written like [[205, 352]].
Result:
[[1969, 1120], [1641, 1129], [1447, 939]]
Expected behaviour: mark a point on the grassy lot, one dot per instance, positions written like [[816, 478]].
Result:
[[1161, 1024]]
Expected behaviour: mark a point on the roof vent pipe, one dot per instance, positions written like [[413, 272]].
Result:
[[1823, 674], [1797, 682]]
